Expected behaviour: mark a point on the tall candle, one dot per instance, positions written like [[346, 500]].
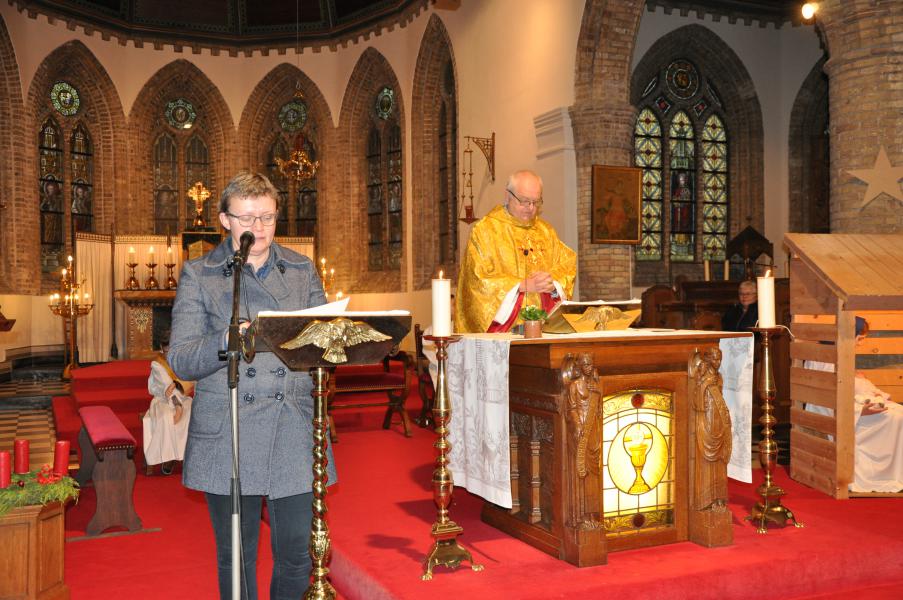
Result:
[[707, 269], [61, 458], [765, 290], [150, 255], [727, 270], [169, 254], [22, 459], [441, 306], [5, 474], [132, 259]]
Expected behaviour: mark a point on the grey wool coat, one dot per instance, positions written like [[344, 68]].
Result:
[[275, 407]]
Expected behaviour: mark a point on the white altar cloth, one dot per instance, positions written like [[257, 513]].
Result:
[[477, 373]]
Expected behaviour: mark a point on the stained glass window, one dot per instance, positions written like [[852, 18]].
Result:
[[180, 114], [81, 159], [714, 187], [166, 186], [293, 116], [307, 199], [385, 186], [682, 104], [648, 156], [64, 98], [279, 149], [50, 193], [447, 149], [197, 168]]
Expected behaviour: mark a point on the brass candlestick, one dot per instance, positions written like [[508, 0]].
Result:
[[132, 283], [770, 508], [171, 282], [151, 283], [320, 588], [70, 304], [445, 550]]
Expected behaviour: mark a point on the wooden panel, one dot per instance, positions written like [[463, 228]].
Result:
[[812, 444], [880, 345], [814, 471], [824, 380], [808, 293], [810, 395], [821, 423], [817, 318], [813, 351], [883, 320], [814, 332]]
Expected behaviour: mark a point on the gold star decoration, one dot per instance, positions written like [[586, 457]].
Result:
[[882, 179]]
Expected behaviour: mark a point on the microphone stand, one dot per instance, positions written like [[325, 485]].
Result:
[[233, 356]]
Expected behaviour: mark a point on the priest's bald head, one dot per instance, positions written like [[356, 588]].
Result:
[[524, 195]]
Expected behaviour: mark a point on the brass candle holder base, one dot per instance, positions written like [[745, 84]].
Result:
[[132, 283], [320, 588], [151, 283], [770, 507], [446, 550], [171, 282]]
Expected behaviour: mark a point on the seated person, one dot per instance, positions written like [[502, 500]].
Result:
[[878, 462], [166, 421], [744, 314]]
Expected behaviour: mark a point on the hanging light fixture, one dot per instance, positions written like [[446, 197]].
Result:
[[299, 165]]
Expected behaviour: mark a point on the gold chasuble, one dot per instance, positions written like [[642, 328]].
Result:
[[501, 253]]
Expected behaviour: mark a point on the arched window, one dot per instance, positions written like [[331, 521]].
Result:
[[384, 185], [81, 159], [197, 170], [166, 185], [279, 149], [50, 186], [448, 170], [678, 107]]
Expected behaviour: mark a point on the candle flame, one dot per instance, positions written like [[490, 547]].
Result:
[[440, 274]]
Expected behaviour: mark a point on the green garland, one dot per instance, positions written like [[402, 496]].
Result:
[[36, 487]]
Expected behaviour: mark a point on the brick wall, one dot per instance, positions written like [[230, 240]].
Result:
[[808, 167], [18, 218]]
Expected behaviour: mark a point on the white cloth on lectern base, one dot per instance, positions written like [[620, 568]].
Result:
[[164, 439], [878, 460]]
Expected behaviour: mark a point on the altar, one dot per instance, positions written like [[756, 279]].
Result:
[[622, 469]]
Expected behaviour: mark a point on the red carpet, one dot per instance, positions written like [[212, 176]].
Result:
[[380, 514]]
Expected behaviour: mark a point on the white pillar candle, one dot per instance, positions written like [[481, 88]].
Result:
[[132, 259], [150, 255], [707, 270], [765, 290], [727, 270], [441, 306]]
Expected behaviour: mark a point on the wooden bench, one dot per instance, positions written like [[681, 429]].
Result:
[[389, 376], [107, 448]]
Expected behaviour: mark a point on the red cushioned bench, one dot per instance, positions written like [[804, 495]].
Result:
[[389, 376], [107, 448]]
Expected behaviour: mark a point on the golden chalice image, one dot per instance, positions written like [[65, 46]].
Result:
[[637, 443]]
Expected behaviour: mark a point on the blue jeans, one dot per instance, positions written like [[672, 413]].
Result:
[[289, 538]]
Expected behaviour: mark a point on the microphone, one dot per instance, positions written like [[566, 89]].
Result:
[[245, 243]]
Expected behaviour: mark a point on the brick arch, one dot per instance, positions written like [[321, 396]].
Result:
[[178, 79], [18, 265], [742, 116], [259, 127], [602, 119], [809, 191], [101, 113], [435, 53], [347, 231]]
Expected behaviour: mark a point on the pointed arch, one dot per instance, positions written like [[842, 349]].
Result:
[[434, 146], [179, 79], [100, 114], [260, 127], [371, 73], [810, 156], [734, 99]]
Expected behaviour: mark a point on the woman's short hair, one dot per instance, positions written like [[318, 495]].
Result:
[[248, 185]]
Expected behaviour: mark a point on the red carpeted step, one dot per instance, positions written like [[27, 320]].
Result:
[[122, 373], [120, 399]]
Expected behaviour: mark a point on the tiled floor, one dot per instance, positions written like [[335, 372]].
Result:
[[25, 414]]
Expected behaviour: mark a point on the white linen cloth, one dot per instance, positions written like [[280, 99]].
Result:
[[164, 438], [477, 374]]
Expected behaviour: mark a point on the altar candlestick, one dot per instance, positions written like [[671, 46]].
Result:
[[61, 458], [727, 270], [707, 270], [5, 475], [132, 259], [169, 254], [765, 290], [150, 255], [22, 459], [441, 306]]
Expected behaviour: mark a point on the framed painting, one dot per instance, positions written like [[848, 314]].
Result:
[[616, 194]]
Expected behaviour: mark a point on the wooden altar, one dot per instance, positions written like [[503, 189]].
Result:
[[148, 316], [563, 487]]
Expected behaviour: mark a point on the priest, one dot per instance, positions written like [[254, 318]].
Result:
[[513, 259]]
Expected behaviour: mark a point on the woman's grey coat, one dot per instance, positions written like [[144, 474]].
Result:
[[274, 404]]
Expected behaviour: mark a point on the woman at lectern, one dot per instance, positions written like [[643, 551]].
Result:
[[275, 408]]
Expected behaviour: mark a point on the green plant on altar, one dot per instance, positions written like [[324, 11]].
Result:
[[533, 313], [37, 487]]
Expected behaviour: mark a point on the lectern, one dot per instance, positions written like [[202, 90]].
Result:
[[318, 344]]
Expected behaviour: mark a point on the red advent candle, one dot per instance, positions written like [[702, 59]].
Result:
[[61, 458], [21, 451], [5, 474]]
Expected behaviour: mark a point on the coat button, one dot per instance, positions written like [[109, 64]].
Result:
[[251, 371], [280, 372], [280, 396], [248, 398]]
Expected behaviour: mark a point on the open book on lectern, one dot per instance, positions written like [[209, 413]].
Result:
[[594, 315]]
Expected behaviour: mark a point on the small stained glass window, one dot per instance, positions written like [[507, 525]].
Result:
[[682, 79], [81, 158], [180, 114], [292, 116], [50, 194], [64, 98], [714, 187], [166, 185], [385, 103], [648, 156]]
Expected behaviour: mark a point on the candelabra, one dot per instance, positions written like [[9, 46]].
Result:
[[328, 277], [171, 282], [770, 508], [446, 550], [70, 304]]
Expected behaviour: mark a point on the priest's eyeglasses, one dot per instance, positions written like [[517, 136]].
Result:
[[266, 220], [526, 203]]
